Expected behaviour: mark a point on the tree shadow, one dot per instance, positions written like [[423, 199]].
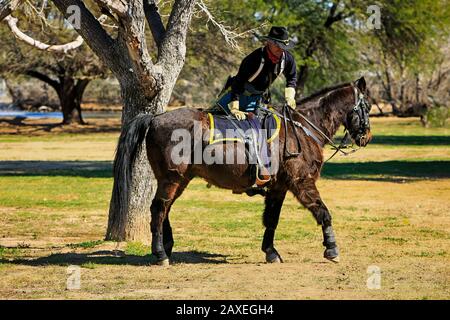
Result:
[[412, 140], [406, 140], [19, 122], [117, 257], [87, 169], [25, 127], [391, 171]]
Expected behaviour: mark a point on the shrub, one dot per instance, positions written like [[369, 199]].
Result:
[[436, 117]]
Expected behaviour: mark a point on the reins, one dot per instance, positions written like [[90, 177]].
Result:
[[287, 116]]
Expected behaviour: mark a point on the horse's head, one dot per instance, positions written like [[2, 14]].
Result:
[[357, 122]]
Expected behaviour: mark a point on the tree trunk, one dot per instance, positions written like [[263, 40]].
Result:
[[418, 89], [70, 94], [146, 85], [304, 69], [134, 225]]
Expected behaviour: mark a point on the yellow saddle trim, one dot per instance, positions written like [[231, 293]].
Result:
[[212, 126]]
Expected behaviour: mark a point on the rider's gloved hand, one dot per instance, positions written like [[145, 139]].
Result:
[[289, 94], [234, 109]]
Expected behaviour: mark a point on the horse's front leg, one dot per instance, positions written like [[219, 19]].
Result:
[[273, 203], [308, 195]]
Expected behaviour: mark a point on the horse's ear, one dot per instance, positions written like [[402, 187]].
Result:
[[361, 84]]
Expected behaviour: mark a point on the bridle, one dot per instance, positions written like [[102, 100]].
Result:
[[360, 111]]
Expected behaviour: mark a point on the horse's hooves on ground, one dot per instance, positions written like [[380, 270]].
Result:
[[273, 258], [335, 259], [332, 254], [164, 263]]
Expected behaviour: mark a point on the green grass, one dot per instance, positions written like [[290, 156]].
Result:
[[376, 219], [137, 249], [57, 192], [85, 244], [89, 265], [406, 127], [9, 253]]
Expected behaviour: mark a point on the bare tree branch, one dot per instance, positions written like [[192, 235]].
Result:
[[119, 7], [12, 23], [230, 36], [154, 21], [335, 17], [40, 76], [132, 36], [95, 36]]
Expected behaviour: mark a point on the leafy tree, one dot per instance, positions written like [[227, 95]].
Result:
[[409, 49]]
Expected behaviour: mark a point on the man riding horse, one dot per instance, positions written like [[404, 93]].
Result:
[[247, 90], [244, 93], [345, 104]]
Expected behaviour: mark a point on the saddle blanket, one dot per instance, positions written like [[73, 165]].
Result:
[[222, 129]]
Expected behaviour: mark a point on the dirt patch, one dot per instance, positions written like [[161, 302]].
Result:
[[52, 221]]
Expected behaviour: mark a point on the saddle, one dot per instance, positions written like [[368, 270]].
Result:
[[256, 133]]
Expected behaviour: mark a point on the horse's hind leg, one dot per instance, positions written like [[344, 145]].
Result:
[[273, 202], [167, 236], [165, 195], [307, 193], [168, 241]]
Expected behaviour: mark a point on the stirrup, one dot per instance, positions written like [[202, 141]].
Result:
[[262, 179]]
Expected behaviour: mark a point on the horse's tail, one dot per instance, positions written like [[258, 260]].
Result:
[[130, 141]]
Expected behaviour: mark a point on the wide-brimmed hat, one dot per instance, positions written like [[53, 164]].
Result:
[[280, 35]]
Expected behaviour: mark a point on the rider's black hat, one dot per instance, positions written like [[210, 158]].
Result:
[[279, 35]]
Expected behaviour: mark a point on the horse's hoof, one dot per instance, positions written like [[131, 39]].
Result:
[[335, 259], [274, 260], [273, 257], [332, 255], [164, 263]]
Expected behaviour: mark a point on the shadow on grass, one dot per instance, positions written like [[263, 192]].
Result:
[[412, 140], [18, 121], [376, 171], [407, 140], [388, 170], [89, 127], [88, 169], [117, 257]]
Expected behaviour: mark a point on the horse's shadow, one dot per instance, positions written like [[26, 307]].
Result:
[[117, 257]]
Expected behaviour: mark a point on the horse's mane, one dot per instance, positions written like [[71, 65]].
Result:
[[322, 107], [321, 93]]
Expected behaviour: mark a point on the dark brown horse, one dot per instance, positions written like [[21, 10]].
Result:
[[328, 109]]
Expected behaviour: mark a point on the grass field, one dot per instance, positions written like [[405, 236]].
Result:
[[390, 204]]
